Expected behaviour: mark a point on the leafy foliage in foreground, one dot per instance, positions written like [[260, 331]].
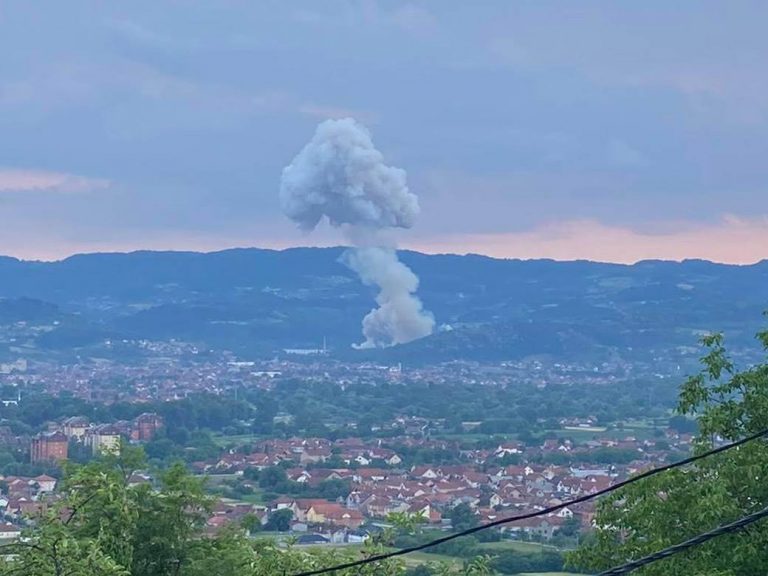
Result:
[[672, 507], [104, 526]]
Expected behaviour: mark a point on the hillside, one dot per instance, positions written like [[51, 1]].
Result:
[[258, 301]]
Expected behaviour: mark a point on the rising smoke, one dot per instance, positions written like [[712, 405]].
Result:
[[341, 176]]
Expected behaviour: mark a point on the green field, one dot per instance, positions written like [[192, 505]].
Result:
[[640, 428], [641, 431], [255, 498], [419, 558], [646, 423], [216, 484], [506, 545], [594, 429], [550, 574], [414, 559], [470, 437], [238, 439]]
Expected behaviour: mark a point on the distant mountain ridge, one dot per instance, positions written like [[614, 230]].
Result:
[[257, 301]]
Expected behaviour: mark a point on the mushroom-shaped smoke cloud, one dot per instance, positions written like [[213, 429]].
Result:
[[340, 175]]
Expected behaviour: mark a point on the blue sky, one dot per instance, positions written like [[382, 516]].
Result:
[[605, 130]]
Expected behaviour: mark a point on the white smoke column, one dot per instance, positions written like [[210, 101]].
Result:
[[400, 316], [341, 176]]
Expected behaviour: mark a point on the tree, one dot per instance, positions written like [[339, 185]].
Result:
[[251, 523], [683, 425], [462, 517], [55, 552], [479, 566], [668, 508], [103, 526], [420, 570], [570, 528], [279, 521], [167, 527], [271, 477]]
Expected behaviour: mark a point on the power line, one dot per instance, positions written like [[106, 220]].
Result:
[[544, 512], [683, 546]]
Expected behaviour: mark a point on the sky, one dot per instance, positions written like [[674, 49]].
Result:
[[613, 131]]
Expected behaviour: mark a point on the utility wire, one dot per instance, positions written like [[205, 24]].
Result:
[[544, 512], [683, 546]]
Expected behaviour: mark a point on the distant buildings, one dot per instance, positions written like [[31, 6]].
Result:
[[306, 351], [49, 447], [76, 427], [104, 439], [145, 427], [19, 365], [52, 446], [9, 532]]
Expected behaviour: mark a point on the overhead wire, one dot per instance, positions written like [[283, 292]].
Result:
[[543, 512]]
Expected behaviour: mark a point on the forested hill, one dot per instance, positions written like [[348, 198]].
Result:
[[258, 301]]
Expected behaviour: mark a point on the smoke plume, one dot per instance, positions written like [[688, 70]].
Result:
[[341, 176]]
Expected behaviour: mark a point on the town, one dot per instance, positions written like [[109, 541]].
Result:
[[330, 478]]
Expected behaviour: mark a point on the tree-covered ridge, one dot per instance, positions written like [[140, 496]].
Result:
[[667, 509], [260, 301]]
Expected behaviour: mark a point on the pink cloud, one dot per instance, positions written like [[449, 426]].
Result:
[[53, 245], [15, 180], [733, 240]]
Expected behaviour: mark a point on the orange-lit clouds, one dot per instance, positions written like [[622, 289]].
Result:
[[50, 245], [733, 240], [15, 180]]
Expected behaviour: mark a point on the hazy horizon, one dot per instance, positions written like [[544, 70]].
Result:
[[427, 251]]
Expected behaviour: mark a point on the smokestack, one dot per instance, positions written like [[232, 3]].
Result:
[[341, 176]]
